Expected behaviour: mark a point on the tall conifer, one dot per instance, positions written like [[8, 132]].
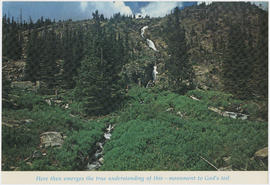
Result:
[[179, 68]]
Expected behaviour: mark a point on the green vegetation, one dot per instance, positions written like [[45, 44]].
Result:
[[21, 143], [154, 131], [151, 136]]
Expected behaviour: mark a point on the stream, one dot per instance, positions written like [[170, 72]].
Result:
[[97, 159]]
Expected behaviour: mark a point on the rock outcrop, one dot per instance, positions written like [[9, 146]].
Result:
[[261, 154], [233, 115], [13, 70], [51, 139]]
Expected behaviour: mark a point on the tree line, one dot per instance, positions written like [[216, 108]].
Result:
[[99, 84], [180, 72], [12, 38], [89, 58], [244, 68], [86, 59], [245, 65]]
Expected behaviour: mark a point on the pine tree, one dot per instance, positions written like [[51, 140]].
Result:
[[48, 67], [32, 69], [5, 37], [78, 51], [98, 83], [126, 54], [236, 64], [73, 54], [12, 39], [179, 68], [260, 65]]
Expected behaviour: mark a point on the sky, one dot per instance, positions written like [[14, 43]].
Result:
[[83, 10]]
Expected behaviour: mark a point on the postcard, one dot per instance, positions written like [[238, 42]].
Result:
[[134, 92]]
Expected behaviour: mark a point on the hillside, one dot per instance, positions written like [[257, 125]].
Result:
[[207, 30], [171, 93]]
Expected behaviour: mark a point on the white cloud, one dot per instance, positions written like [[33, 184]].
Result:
[[119, 5], [262, 5], [206, 2], [83, 5], [106, 8], [159, 9]]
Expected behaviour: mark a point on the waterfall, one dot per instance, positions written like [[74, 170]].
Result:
[[155, 73], [143, 30], [151, 45], [149, 42]]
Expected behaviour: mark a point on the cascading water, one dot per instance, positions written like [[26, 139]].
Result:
[[143, 30], [97, 159], [151, 45], [155, 73], [149, 42]]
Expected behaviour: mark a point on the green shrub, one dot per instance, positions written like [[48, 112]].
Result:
[[215, 98], [79, 146], [149, 136], [21, 142], [28, 100], [154, 131], [17, 144]]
